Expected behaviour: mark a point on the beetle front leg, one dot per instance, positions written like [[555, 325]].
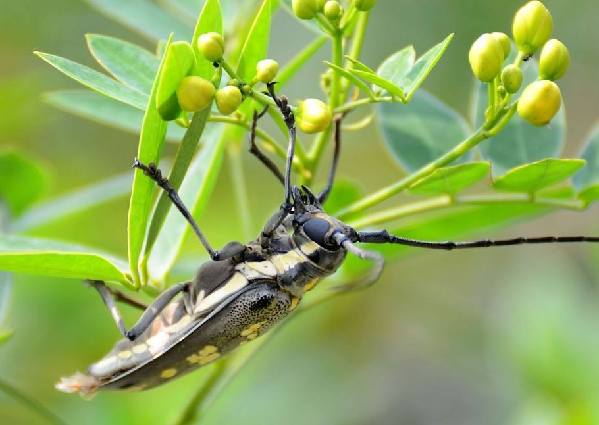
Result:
[[148, 315]]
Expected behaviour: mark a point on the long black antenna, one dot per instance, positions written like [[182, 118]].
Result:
[[384, 237]]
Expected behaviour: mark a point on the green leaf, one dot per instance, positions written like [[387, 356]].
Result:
[[75, 202], [423, 67], [96, 81], [51, 258], [5, 290], [103, 110], [590, 194], [255, 47], [209, 20], [382, 83], [351, 77], [519, 142], [22, 181], [344, 193], [530, 178], [179, 61], [144, 17], [359, 65], [421, 131], [132, 65], [5, 335], [195, 192], [451, 180], [153, 133], [589, 176], [397, 66]]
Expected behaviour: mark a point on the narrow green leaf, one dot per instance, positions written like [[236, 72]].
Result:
[[151, 141], [22, 181], [421, 131], [589, 176], [452, 180], [423, 67], [5, 291], [195, 191], [144, 17], [255, 47], [351, 77], [51, 258], [96, 81], [75, 202], [132, 65], [359, 65], [382, 83], [209, 20], [590, 194], [292, 67], [397, 66], [104, 110], [5, 335], [530, 178], [519, 142]]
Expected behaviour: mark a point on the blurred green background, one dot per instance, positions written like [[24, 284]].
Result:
[[505, 336]]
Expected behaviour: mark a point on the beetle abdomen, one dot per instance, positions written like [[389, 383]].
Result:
[[236, 321]]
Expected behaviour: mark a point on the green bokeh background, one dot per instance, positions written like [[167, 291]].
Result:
[[506, 336]]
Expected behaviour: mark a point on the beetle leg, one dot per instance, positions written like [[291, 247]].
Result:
[[323, 196], [255, 150], [147, 316]]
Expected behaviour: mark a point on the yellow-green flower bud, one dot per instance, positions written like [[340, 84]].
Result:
[[486, 57], [195, 94], [313, 116], [266, 70], [555, 60], [532, 26], [212, 46], [539, 102], [307, 9], [228, 99], [505, 42], [333, 10], [365, 5], [511, 78]]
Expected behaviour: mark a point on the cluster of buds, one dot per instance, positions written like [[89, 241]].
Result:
[[331, 9], [532, 27]]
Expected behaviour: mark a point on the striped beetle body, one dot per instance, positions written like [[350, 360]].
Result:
[[232, 302]]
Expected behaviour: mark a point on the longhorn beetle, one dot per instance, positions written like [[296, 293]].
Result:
[[245, 288]]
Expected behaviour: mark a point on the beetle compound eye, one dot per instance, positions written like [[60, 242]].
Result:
[[317, 230]]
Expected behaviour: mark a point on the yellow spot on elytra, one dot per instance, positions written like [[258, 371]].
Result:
[[205, 355], [252, 336], [252, 329], [208, 349], [125, 354], [310, 285], [168, 373], [139, 348], [294, 303]]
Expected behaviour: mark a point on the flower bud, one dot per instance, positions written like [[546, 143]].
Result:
[[228, 99], [486, 57], [555, 60], [266, 70], [307, 9], [333, 10], [532, 26], [539, 102], [195, 94], [365, 5], [212, 46], [505, 42], [313, 116], [511, 78]]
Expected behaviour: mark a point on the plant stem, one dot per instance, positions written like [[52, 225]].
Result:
[[389, 191], [350, 106], [34, 405], [300, 59], [446, 201]]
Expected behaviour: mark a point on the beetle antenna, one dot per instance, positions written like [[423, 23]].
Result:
[[255, 150], [324, 195], [384, 237], [376, 257]]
